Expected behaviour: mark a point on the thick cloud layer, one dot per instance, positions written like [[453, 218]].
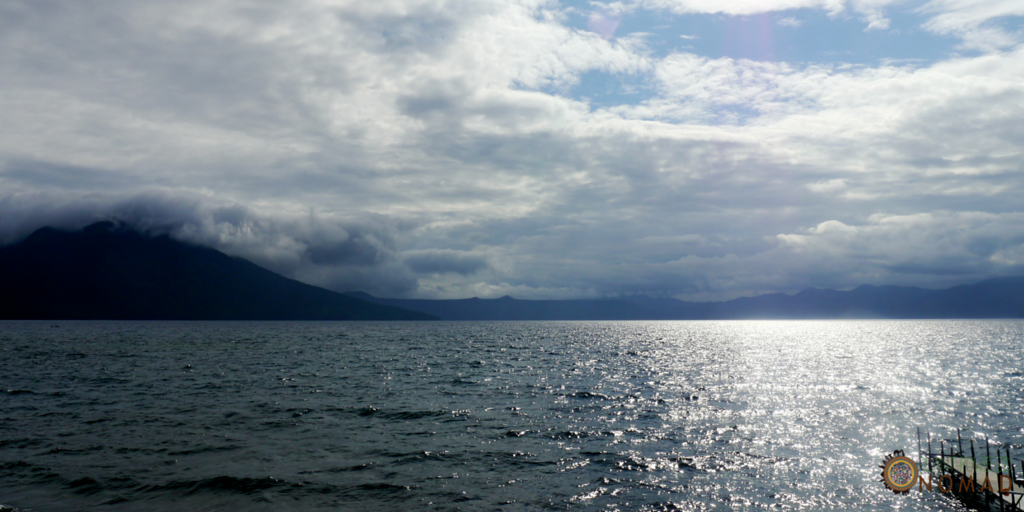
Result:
[[438, 149]]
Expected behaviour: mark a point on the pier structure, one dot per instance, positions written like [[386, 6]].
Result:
[[985, 480]]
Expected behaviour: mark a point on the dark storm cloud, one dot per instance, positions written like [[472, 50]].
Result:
[[348, 254], [445, 261], [358, 249], [36, 174]]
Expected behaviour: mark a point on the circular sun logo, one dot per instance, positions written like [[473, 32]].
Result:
[[899, 472]]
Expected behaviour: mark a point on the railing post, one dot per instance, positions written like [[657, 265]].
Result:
[[919, 447], [999, 479], [942, 460], [1013, 474], [987, 456], [974, 462], [930, 454]]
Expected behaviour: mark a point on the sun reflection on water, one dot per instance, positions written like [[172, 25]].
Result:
[[725, 415]]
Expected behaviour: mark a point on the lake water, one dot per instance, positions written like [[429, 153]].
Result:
[[729, 415]]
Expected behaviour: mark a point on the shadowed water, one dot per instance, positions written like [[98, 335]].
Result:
[[725, 415]]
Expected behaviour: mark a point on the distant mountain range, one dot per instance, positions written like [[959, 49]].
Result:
[[108, 272], [993, 298]]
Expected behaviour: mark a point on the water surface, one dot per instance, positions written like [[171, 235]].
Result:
[[728, 415]]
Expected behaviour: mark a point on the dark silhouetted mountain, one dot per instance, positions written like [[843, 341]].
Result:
[[993, 298], [507, 308], [109, 272]]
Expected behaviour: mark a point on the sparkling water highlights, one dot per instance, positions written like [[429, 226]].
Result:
[[491, 416]]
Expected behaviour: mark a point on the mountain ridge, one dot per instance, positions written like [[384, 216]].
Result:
[[1001, 297], [106, 271]]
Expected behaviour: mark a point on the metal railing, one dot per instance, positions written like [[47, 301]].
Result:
[[961, 469]]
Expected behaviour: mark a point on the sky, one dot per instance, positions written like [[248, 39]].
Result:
[[697, 149]]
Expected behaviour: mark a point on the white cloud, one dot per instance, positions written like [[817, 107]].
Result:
[[963, 18], [430, 149], [877, 22], [1010, 257], [971, 21], [741, 7], [956, 14], [603, 24], [871, 10], [975, 244], [826, 187]]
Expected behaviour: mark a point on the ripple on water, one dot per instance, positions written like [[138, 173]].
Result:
[[491, 415]]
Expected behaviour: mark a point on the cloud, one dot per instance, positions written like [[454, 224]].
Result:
[[421, 149], [825, 187], [603, 24], [870, 10], [954, 14], [934, 249], [972, 21], [342, 254], [441, 261], [877, 22], [968, 19], [943, 243], [742, 7]]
